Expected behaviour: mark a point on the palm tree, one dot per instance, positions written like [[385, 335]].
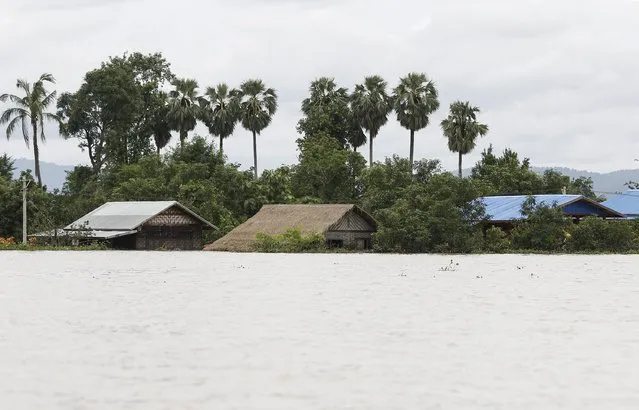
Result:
[[371, 105], [30, 110], [355, 136], [415, 100], [161, 125], [221, 112], [462, 129], [324, 92], [183, 110], [257, 107], [161, 134]]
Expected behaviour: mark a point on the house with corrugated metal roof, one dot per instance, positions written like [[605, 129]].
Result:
[[143, 225], [504, 211], [625, 202]]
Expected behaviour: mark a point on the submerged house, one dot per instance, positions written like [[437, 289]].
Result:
[[625, 202], [146, 225], [504, 211], [343, 225]]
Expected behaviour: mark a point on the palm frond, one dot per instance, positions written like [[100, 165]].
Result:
[[415, 99], [12, 125], [25, 130], [257, 104], [46, 78], [49, 99], [11, 112], [371, 103], [461, 127]]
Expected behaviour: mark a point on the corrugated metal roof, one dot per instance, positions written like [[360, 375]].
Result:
[[100, 234], [82, 234], [508, 208], [126, 216], [627, 202]]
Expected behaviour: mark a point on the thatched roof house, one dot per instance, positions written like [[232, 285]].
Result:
[[341, 224]]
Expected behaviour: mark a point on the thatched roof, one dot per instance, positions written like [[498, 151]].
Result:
[[276, 219]]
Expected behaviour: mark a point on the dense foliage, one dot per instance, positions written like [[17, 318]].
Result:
[[292, 240], [125, 111]]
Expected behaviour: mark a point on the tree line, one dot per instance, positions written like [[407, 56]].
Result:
[[122, 109], [123, 119]]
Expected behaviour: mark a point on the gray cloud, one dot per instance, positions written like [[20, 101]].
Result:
[[556, 81]]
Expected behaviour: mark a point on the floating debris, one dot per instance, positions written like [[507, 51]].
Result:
[[452, 266]]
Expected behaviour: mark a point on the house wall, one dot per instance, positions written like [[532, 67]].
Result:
[[352, 222], [172, 229], [355, 231], [582, 208]]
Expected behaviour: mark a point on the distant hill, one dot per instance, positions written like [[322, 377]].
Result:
[[53, 175], [603, 183]]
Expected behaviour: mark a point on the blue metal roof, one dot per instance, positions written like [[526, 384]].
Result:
[[626, 202], [508, 208]]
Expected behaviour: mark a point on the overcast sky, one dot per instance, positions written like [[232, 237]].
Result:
[[557, 81]]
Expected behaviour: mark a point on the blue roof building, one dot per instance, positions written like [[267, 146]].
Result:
[[625, 202], [507, 209]]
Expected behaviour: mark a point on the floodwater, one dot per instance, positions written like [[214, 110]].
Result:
[[196, 330]]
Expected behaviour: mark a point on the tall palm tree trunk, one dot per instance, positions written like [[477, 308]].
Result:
[[255, 154], [36, 152], [221, 144], [460, 164], [183, 135], [412, 148], [370, 150]]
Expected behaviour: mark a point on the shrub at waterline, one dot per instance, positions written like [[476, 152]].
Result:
[[290, 241], [595, 234], [545, 228]]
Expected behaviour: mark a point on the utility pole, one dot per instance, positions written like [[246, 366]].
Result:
[[25, 184]]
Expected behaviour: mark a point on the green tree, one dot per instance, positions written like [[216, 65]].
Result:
[[415, 100], [183, 108], [30, 111], [7, 166], [276, 185], [462, 129], [544, 227], [327, 171], [597, 234], [221, 112], [438, 216], [384, 182], [371, 105], [117, 109], [161, 128], [505, 174], [327, 111], [257, 105]]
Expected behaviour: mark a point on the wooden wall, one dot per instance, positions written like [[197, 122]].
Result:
[[172, 229], [353, 230]]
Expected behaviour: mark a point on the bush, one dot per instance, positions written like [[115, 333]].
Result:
[[291, 241], [7, 242], [596, 234], [545, 228], [496, 240]]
